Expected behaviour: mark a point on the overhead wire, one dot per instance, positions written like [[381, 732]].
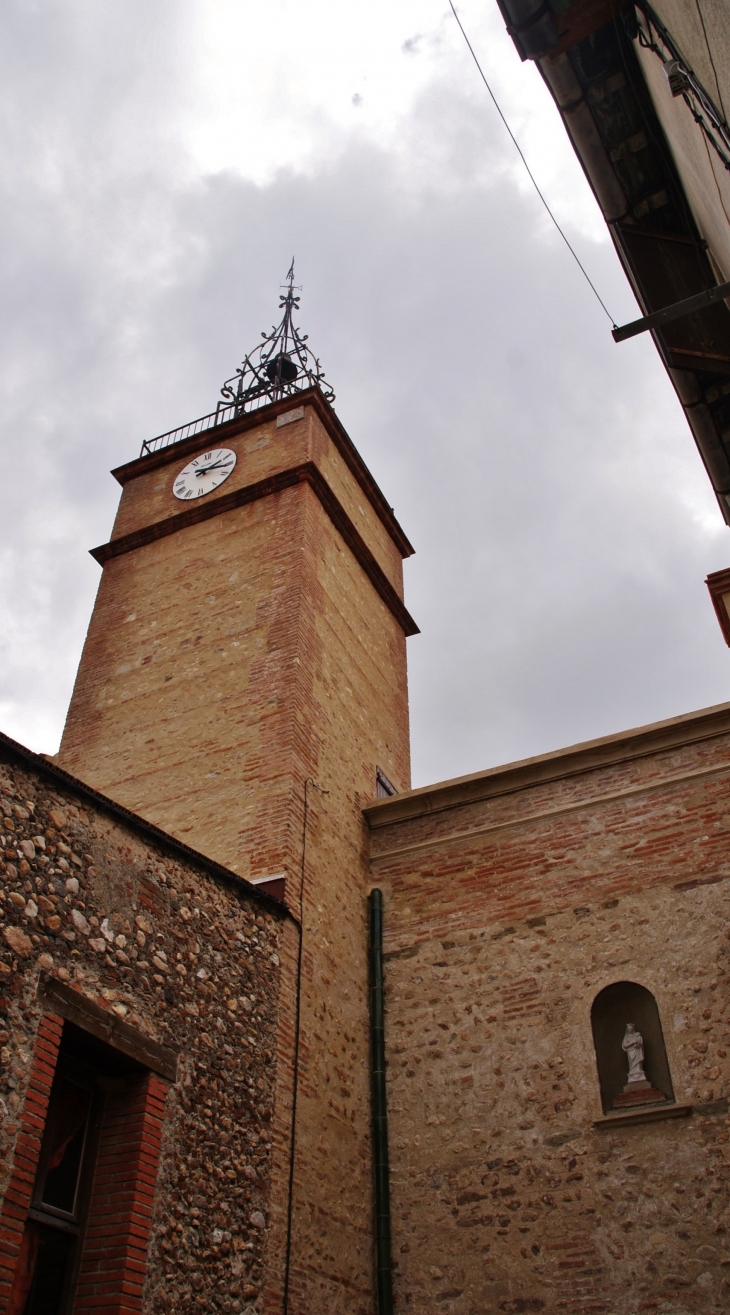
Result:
[[531, 176], [712, 61]]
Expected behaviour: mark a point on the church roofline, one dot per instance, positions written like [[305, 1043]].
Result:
[[526, 773], [252, 420], [45, 767]]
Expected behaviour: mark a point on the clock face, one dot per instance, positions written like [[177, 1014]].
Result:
[[204, 474]]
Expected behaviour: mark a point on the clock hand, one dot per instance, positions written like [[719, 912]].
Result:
[[217, 465]]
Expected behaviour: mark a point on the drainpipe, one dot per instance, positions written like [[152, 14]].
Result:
[[380, 1111]]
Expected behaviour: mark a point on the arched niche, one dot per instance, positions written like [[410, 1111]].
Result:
[[614, 1007]]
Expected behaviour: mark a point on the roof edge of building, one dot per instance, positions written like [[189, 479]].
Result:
[[574, 759], [45, 767]]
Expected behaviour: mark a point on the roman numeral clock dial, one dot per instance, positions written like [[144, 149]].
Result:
[[204, 474]]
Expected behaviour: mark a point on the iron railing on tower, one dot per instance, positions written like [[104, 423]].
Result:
[[281, 365]]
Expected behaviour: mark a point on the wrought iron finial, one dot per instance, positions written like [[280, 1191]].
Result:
[[280, 365]]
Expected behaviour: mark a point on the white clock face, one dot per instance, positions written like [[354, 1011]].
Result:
[[204, 474]]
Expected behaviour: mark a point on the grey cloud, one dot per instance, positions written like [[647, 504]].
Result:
[[546, 477]]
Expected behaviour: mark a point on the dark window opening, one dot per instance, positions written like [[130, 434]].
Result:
[[47, 1269], [622, 1006], [64, 1144]]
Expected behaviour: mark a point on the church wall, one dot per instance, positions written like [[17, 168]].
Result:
[[511, 1190], [193, 969]]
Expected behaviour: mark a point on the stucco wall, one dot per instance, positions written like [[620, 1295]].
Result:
[[701, 35]]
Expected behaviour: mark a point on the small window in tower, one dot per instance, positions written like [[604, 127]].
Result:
[[383, 787], [633, 1070]]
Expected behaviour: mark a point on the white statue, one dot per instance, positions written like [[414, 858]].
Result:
[[633, 1045]]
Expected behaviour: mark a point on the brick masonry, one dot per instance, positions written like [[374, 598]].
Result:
[[187, 956], [122, 1204], [19, 1182], [512, 899]]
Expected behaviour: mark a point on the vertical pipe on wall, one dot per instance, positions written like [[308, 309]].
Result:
[[380, 1111]]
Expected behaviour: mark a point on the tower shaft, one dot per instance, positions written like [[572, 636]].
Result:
[[243, 678]]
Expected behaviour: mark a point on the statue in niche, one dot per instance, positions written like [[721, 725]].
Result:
[[638, 1089], [633, 1047]]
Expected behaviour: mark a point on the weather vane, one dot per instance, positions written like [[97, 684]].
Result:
[[280, 365]]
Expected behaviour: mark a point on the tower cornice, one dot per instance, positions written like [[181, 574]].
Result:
[[311, 397], [306, 473]]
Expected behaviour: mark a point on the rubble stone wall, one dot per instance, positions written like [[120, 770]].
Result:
[[504, 918], [187, 959]]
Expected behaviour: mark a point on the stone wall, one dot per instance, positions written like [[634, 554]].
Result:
[[187, 956], [512, 899]]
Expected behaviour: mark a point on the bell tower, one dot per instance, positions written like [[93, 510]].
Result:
[[242, 682]]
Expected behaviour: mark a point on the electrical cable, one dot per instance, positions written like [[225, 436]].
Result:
[[573, 253], [659, 142], [709, 51], [694, 94]]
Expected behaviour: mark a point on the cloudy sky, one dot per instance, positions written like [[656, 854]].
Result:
[[161, 164]]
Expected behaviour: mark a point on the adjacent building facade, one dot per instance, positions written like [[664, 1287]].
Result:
[[643, 91]]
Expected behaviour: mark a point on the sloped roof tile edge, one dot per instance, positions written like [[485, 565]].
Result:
[[507, 778], [177, 848]]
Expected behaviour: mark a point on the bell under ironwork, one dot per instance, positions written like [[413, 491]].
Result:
[[282, 369], [281, 364]]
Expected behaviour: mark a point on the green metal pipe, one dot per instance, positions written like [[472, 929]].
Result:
[[380, 1108]]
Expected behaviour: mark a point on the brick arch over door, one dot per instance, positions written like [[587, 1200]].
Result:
[[614, 1007]]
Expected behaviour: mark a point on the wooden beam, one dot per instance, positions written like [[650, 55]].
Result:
[[688, 306], [106, 1026]]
